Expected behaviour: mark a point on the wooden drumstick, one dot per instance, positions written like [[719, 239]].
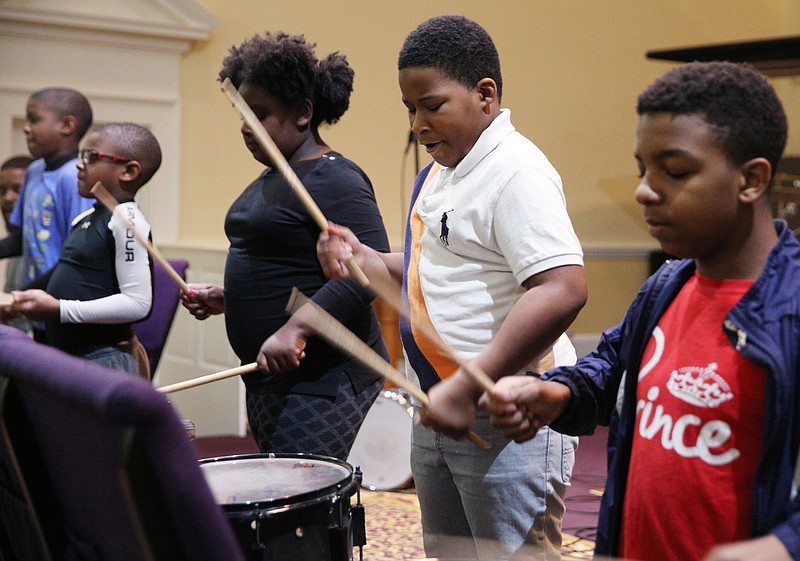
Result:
[[6, 299], [279, 162], [330, 329], [200, 380], [108, 200]]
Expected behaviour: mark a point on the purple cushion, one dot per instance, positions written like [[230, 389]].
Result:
[[117, 457], [153, 330]]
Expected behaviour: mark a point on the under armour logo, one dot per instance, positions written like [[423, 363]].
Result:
[[445, 231]]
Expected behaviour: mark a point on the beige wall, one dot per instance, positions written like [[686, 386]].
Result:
[[572, 70]]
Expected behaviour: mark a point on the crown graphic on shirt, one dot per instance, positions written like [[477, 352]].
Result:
[[699, 386]]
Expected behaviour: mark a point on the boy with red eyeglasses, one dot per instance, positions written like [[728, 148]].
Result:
[[102, 282]]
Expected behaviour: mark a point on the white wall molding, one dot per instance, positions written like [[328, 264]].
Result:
[[136, 22], [124, 55]]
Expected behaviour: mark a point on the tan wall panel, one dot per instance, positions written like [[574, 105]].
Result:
[[613, 283], [572, 71]]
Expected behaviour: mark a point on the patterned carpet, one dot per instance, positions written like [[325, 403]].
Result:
[[394, 532], [393, 527]]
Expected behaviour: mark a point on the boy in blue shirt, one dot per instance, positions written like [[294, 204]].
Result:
[[57, 120]]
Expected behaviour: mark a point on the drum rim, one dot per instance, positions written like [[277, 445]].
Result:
[[343, 486]]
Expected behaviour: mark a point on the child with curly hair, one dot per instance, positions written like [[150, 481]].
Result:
[[314, 405]]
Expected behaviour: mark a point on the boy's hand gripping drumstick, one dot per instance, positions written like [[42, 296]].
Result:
[[329, 328], [108, 200], [276, 157]]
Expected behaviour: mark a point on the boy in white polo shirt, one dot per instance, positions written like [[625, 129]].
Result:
[[493, 264]]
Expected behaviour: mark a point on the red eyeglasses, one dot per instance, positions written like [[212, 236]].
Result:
[[91, 156]]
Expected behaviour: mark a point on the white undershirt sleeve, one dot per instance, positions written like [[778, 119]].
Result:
[[132, 265]]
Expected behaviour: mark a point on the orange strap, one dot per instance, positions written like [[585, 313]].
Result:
[[418, 311]]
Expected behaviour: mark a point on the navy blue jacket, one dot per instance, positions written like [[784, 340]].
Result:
[[764, 327]]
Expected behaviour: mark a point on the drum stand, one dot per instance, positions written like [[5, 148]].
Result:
[[359, 524]]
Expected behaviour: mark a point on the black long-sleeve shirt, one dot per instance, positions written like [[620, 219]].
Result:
[[273, 249]]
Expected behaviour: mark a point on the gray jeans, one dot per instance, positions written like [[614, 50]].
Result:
[[114, 358], [503, 503]]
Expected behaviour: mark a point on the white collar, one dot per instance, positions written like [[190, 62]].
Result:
[[498, 129]]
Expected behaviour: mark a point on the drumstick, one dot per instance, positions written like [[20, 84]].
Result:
[[108, 200], [200, 380], [276, 157], [329, 328], [279, 162], [6, 299]]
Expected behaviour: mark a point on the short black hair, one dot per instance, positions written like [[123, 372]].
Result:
[[737, 101], [65, 102], [135, 142], [456, 46], [286, 67], [17, 162]]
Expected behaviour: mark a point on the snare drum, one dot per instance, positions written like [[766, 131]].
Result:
[[292, 507], [382, 448]]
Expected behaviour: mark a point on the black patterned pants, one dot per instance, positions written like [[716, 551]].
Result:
[[286, 423]]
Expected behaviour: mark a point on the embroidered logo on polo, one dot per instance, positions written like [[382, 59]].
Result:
[[444, 232]]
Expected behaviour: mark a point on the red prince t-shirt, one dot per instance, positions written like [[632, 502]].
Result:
[[697, 438]]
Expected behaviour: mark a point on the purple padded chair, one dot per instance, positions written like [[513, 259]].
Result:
[[97, 466], [153, 331]]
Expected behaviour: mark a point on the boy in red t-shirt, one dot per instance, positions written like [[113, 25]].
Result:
[[699, 381]]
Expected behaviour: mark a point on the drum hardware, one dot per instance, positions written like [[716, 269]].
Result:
[[359, 520], [288, 507], [188, 426]]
